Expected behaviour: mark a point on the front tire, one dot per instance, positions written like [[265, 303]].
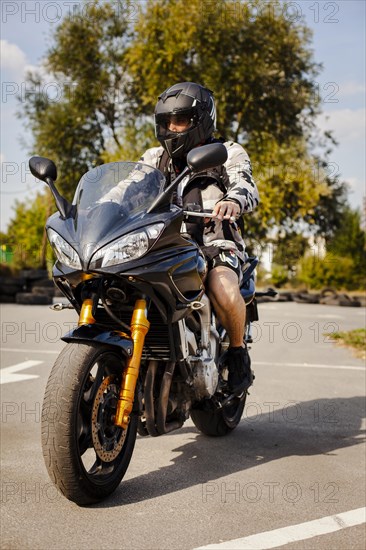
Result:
[[86, 455]]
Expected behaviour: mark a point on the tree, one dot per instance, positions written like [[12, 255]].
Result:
[[26, 233], [345, 261], [256, 58], [350, 238], [86, 61], [259, 64], [288, 248]]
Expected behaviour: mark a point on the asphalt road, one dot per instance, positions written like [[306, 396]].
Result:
[[297, 457]]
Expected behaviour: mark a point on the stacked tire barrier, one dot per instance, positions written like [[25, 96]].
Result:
[[327, 296], [31, 287]]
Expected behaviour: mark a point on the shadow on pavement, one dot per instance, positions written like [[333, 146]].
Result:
[[311, 428]]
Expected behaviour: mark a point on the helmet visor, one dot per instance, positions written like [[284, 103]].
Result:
[[169, 124]]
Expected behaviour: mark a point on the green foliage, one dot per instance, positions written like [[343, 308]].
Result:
[[333, 271], [291, 185], [26, 233], [86, 62], [355, 339], [344, 264], [288, 248], [259, 64], [255, 58], [135, 139], [349, 239], [279, 276], [262, 276]]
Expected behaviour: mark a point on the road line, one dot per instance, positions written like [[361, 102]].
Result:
[[293, 533], [307, 365], [35, 350], [10, 374]]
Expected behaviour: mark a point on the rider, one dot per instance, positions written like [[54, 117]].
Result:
[[185, 117]]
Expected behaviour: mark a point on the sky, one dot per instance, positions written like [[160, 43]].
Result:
[[338, 44]]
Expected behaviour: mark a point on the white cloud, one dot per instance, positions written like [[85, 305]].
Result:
[[352, 88], [14, 60], [353, 182], [12, 57], [347, 124], [357, 190]]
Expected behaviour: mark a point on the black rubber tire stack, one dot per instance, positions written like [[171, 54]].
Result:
[[31, 287], [9, 287]]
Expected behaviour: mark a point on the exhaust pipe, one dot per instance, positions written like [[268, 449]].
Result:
[[161, 425]]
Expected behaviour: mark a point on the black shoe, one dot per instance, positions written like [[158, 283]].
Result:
[[241, 376]]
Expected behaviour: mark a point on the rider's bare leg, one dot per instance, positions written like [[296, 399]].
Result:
[[223, 291]]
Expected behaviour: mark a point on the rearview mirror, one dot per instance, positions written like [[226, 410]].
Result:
[[43, 168], [199, 159], [207, 156]]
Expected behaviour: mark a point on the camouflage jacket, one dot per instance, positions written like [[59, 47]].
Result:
[[232, 181]]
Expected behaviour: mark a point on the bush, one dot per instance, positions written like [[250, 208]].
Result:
[[279, 275], [335, 271]]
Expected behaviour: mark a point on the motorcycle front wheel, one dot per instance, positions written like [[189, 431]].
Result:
[[86, 455]]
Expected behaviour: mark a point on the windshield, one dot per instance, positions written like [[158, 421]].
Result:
[[131, 185]]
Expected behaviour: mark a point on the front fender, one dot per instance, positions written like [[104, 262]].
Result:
[[95, 333]]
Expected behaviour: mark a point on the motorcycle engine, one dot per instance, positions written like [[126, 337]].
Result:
[[205, 376]]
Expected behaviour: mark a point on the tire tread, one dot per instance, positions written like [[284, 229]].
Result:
[[58, 441]]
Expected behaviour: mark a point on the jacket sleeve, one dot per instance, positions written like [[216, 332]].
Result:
[[152, 156], [242, 188]]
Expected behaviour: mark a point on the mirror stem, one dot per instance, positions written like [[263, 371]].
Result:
[[62, 204], [169, 190]]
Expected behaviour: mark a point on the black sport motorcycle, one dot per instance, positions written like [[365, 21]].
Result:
[[145, 354]]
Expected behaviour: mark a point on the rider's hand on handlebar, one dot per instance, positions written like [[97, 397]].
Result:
[[226, 210]]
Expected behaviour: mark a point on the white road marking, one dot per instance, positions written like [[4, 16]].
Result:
[[35, 350], [9, 374], [308, 365], [293, 533]]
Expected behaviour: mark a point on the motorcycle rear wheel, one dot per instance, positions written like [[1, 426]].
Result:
[[215, 422], [86, 455]]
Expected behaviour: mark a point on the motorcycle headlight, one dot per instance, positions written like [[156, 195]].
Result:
[[65, 253], [127, 248]]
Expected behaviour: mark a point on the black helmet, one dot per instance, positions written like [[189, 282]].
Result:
[[193, 102]]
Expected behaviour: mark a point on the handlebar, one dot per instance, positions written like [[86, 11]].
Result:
[[190, 214], [198, 214]]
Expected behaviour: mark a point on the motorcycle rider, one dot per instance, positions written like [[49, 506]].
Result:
[[185, 117]]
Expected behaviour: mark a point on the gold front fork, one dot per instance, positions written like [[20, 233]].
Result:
[[86, 312], [86, 315], [139, 328]]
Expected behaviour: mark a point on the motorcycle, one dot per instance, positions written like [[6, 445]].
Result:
[[145, 354]]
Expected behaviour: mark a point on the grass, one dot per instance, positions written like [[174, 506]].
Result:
[[355, 339]]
